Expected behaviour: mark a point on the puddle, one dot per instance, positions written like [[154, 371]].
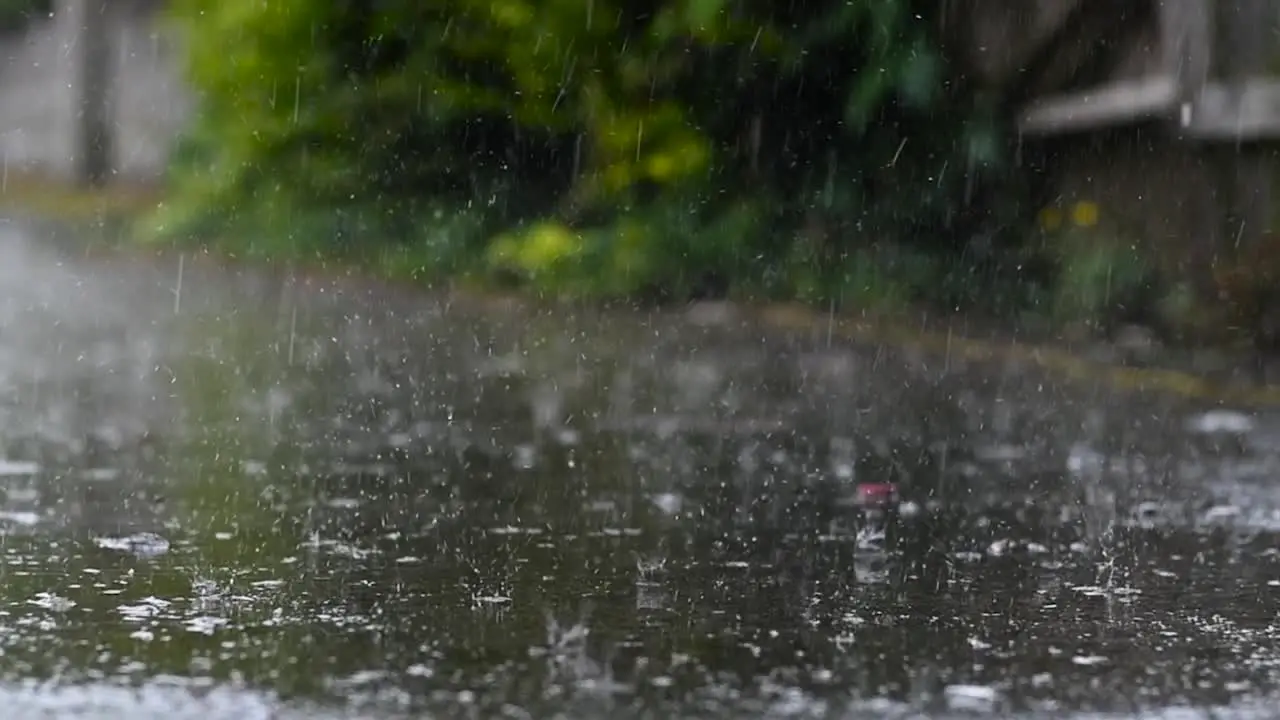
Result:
[[324, 501]]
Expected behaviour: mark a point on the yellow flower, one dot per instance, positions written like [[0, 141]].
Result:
[[1085, 213], [547, 244], [511, 13], [538, 249], [662, 167]]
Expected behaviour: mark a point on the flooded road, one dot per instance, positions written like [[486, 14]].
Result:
[[234, 496]]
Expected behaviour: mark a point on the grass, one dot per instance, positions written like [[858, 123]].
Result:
[[40, 195], [90, 219]]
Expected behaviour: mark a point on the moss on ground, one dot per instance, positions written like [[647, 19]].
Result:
[[31, 193]]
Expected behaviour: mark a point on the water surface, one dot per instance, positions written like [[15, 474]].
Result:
[[228, 494]]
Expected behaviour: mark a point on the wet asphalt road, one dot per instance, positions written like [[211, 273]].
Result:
[[228, 494]]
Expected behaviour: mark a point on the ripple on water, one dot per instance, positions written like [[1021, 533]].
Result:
[[702, 518], [156, 700], [18, 468], [141, 545]]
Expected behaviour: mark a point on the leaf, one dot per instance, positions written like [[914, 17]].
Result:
[[704, 13], [920, 78], [870, 88]]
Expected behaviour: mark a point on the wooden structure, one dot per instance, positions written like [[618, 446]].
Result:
[[88, 49], [93, 93], [1217, 80], [1213, 82]]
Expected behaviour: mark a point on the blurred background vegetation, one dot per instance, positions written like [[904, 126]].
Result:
[[15, 14], [653, 149]]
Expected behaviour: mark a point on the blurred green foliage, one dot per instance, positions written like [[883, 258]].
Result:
[[16, 14], [605, 147]]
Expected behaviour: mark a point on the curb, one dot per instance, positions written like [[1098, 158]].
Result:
[[1061, 363]]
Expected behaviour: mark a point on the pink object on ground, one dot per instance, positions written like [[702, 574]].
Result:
[[877, 494]]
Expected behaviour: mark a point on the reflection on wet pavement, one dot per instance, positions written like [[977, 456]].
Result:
[[225, 495]]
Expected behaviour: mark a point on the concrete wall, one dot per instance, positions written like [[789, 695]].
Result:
[[146, 103]]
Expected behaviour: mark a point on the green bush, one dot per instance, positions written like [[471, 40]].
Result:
[[608, 146], [16, 14]]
